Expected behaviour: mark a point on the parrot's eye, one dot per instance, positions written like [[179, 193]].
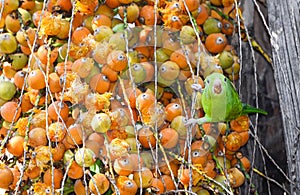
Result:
[[207, 81], [225, 79]]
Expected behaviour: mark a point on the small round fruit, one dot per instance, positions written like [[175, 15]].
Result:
[[225, 59], [145, 175], [118, 148], [173, 110], [146, 137], [19, 60], [187, 34], [168, 138], [236, 177], [212, 25], [58, 177], [124, 165], [99, 184], [7, 90], [8, 43], [101, 123], [10, 111], [169, 70], [126, 186], [58, 107], [100, 83], [85, 157], [79, 188], [215, 42], [37, 137], [36, 79], [75, 171], [103, 33], [15, 145], [6, 176]]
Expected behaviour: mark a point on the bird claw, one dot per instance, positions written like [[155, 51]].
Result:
[[196, 87], [191, 121]]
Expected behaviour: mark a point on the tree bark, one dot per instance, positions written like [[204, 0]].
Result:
[[284, 23]]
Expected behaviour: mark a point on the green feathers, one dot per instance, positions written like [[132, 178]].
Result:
[[221, 102]]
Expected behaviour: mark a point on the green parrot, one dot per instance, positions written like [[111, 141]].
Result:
[[221, 102]]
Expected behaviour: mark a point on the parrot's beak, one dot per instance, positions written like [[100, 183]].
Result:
[[217, 87]]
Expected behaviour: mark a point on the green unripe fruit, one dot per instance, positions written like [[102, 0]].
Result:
[[19, 60], [8, 43], [187, 35], [226, 59], [7, 90], [101, 123], [212, 25]]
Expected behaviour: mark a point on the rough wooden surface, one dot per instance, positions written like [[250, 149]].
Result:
[[284, 23], [270, 132]]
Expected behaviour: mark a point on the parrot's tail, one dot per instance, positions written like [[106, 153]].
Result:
[[247, 109]]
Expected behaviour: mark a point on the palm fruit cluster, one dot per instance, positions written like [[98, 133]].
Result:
[[95, 94]]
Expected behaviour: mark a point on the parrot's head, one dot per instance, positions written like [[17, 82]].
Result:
[[216, 83]]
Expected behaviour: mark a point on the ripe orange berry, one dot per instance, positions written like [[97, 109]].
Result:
[[146, 137], [37, 137], [58, 176], [168, 138], [172, 110], [10, 111], [36, 79], [117, 60], [215, 42], [58, 107], [126, 186], [6, 176], [15, 145], [100, 83], [99, 183], [75, 171]]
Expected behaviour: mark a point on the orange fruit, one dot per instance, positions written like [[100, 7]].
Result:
[[227, 27], [172, 110], [112, 3], [6, 176], [79, 188], [191, 4], [37, 137], [147, 15], [79, 34], [58, 109], [169, 70], [233, 141], [146, 137], [75, 171], [75, 134], [10, 111], [99, 183], [157, 186], [43, 53], [132, 12], [100, 83], [179, 58], [240, 124], [216, 2], [58, 176], [117, 60], [125, 1], [132, 94], [123, 166], [101, 20], [168, 138], [54, 82], [244, 137], [168, 183], [149, 68], [126, 186], [33, 172], [83, 66], [202, 14], [145, 101], [199, 155], [36, 79], [58, 151], [15, 145], [215, 42], [56, 132]]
